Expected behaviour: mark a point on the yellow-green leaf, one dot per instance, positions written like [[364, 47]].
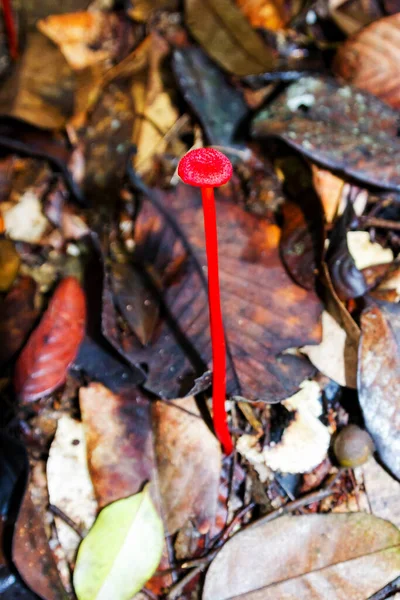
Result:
[[121, 551]]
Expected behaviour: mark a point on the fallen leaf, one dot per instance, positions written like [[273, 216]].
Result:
[[304, 443], [218, 105], [189, 463], [226, 35], [119, 441], [352, 15], [321, 118], [368, 59], [379, 379], [69, 484], [336, 355], [383, 492], [268, 14], [344, 555], [41, 89], [17, 316], [366, 253], [121, 551], [32, 555], [51, 348], [142, 10], [329, 188], [9, 264], [261, 319], [25, 221]]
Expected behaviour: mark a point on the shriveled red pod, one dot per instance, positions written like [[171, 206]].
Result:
[[207, 168]]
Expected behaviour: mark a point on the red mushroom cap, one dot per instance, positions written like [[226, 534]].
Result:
[[205, 167]]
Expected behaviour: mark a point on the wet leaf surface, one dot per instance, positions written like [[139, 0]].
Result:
[[189, 463], [312, 553], [18, 315], [320, 118], [217, 104], [250, 256], [42, 365], [378, 379], [368, 60]]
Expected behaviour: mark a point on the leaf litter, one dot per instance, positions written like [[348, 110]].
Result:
[[112, 480]]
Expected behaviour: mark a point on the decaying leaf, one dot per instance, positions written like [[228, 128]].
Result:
[[121, 551], [218, 105], [368, 60], [329, 188], [379, 379], [383, 492], [309, 557], [119, 442], [141, 10], [189, 463], [264, 311], [30, 547], [17, 316], [226, 35], [366, 253], [69, 484], [336, 356], [320, 118], [9, 264], [43, 363]]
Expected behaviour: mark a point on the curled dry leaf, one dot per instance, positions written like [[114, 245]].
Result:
[[320, 118], [17, 316], [218, 105], [119, 441], [351, 555], [226, 35], [69, 484], [42, 365], [379, 379], [368, 59], [121, 551], [329, 188], [264, 311], [31, 547], [189, 463]]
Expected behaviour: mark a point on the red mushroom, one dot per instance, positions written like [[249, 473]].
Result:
[[208, 168]]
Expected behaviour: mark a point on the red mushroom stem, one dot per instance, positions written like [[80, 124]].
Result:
[[206, 168], [10, 29]]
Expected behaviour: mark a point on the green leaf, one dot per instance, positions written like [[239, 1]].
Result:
[[121, 551]]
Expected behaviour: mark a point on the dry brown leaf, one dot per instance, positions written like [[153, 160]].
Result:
[[141, 10], [336, 356], [369, 60], [329, 188], [383, 492], [270, 14], [352, 15], [311, 557], [379, 379], [119, 442], [189, 464], [226, 35], [9, 264]]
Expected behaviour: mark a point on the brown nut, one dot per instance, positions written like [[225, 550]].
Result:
[[353, 446]]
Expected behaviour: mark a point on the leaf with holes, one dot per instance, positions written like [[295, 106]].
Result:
[[265, 312], [42, 365], [121, 551]]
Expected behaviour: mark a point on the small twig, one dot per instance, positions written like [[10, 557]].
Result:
[[388, 591], [291, 506], [59, 513], [380, 223]]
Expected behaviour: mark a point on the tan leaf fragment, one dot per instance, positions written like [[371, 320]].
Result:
[[329, 188], [366, 253]]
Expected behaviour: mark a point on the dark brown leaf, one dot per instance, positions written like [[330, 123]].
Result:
[[379, 379], [32, 555], [297, 246], [368, 59], [119, 441], [42, 366], [338, 127], [218, 105], [226, 35], [264, 311], [17, 316], [189, 464]]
